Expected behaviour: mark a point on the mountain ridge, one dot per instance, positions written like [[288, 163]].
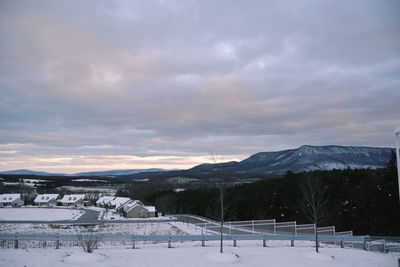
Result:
[[304, 158]]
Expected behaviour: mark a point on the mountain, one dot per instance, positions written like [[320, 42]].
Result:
[[97, 173], [29, 172], [305, 158], [118, 172]]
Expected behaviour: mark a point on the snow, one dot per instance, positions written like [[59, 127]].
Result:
[[177, 190], [86, 189], [139, 228], [39, 214], [113, 215], [44, 198], [72, 198], [247, 253], [9, 197], [114, 202], [192, 254], [150, 208]]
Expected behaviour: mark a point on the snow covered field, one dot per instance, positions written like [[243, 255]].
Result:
[[192, 254], [39, 214], [157, 228], [248, 253], [113, 215]]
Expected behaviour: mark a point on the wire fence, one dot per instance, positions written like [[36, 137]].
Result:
[[203, 229], [56, 241], [271, 227]]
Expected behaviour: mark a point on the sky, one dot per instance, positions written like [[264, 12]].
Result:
[[101, 85]]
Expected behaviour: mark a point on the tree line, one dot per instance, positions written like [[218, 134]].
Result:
[[365, 201]]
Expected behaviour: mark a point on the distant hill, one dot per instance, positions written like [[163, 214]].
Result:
[[118, 172], [97, 173], [305, 158], [29, 172]]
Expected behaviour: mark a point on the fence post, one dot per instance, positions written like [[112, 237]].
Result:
[[365, 245], [264, 243], [58, 242], [16, 242], [292, 243], [169, 243], [234, 243], [384, 245], [341, 243], [203, 243], [133, 243]]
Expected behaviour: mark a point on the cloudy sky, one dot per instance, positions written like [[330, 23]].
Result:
[[98, 85]]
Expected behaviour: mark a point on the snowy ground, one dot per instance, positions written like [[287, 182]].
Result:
[[39, 214], [157, 228], [113, 215], [192, 254]]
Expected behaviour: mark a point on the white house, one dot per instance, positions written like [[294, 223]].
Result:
[[73, 200], [46, 200], [112, 202], [11, 200], [136, 209]]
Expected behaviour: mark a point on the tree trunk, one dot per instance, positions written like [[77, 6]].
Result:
[[221, 249]]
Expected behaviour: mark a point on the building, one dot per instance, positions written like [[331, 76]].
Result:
[[136, 209], [75, 200], [152, 211], [112, 202], [11, 200], [46, 200]]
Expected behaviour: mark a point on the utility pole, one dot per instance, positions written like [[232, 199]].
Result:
[[397, 133]]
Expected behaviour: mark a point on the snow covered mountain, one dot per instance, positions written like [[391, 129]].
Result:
[[305, 158]]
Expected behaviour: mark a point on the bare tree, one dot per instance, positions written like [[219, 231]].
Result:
[[88, 240], [222, 187], [315, 203]]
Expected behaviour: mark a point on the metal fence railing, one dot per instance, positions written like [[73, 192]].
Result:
[[271, 227], [58, 239]]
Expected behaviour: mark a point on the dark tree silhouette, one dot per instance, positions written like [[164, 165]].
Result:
[[315, 203]]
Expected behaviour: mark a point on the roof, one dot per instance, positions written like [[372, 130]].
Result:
[[72, 198], [131, 205], [150, 208], [42, 198], [104, 200], [113, 201], [119, 201], [5, 198]]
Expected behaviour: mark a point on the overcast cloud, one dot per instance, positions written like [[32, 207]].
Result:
[[95, 85]]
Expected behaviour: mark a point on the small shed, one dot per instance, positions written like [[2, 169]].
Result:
[[152, 211]]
